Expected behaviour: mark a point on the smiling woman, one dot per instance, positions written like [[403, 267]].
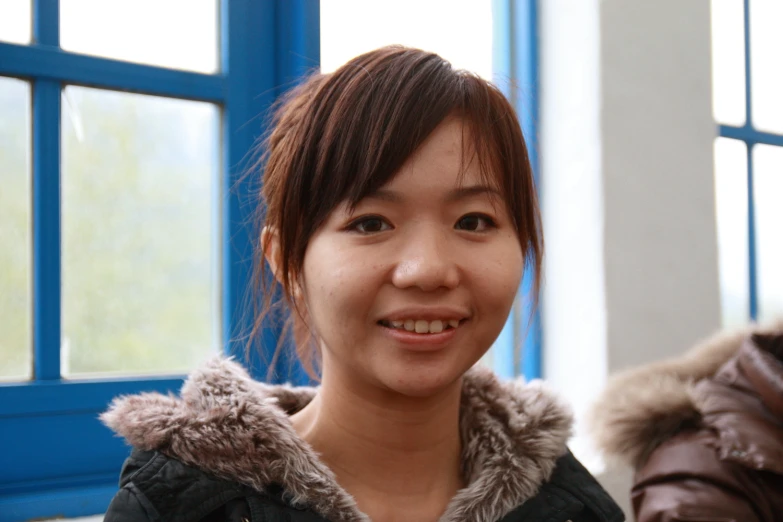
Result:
[[400, 216]]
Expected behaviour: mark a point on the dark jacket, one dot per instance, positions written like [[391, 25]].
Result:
[[705, 432], [226, 451], [154, 487]]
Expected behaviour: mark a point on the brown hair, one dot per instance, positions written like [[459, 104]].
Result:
[[339, 137]]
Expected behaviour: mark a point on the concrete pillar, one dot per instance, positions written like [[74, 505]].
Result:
[[628, 193]]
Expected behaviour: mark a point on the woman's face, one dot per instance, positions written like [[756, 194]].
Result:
[[407, 292]]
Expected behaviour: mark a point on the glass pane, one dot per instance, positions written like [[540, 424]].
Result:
[[439, 26], [731, 200], [767, 194], [180, 34], [766, 41], [139, 232], [15, 21], [728, 61], [15, 247]]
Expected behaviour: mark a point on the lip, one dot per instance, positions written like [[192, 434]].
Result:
[[421, 342]]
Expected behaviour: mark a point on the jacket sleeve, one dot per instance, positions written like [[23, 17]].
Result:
[[683, 480], [127, 506]]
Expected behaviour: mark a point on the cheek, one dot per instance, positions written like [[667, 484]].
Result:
[[337, 285], [502, 273]]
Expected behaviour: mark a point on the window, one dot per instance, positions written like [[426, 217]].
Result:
[[747, 103], [502, 47], [124, 246]]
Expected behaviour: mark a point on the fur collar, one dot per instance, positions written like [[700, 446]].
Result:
[[236, 428], [642, 407]]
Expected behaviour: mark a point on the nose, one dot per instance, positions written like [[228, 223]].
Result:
[[426, 261]]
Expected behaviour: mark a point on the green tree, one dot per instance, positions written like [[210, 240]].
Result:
[[139, 210], [15, 258]]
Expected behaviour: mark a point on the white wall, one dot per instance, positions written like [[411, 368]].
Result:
[[628, 191], [574, 312]]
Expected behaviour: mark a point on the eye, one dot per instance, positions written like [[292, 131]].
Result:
[[369, 225], [475, 223]]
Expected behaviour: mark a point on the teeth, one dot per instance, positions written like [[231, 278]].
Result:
[[422, 326]]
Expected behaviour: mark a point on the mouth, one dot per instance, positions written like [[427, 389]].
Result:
[[422, 326]]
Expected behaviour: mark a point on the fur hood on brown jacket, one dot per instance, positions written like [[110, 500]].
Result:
[[644, 406], [235, 428], [704, 432]]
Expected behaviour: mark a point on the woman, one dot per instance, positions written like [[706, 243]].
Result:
[[400, 214], [704, 431]]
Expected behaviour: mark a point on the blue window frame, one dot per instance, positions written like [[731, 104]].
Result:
[[751, 136], [57, 459], [515, 32]]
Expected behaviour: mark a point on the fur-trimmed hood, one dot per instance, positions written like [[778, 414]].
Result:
[[642, 407], [238, 429]]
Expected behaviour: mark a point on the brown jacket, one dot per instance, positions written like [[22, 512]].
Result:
[[704, 432]]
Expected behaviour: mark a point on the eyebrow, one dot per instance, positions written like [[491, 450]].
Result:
[[457, 194]]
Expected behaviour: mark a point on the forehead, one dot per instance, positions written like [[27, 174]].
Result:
[[449, 158]]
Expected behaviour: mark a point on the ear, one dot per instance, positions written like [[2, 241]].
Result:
[[270, 242]]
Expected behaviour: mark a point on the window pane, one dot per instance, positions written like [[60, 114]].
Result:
[[731, 199], [15, 248], [728, 61], [766, 41], [767, 194], [180, 34], [139, 232], [15, 21], [439, 26]]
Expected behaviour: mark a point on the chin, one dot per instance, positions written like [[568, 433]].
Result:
[[425, 380]]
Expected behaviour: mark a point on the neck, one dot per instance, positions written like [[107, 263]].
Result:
[[383, 445]]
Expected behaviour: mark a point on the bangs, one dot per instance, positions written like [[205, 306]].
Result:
[[384, 107], [380, 108]]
